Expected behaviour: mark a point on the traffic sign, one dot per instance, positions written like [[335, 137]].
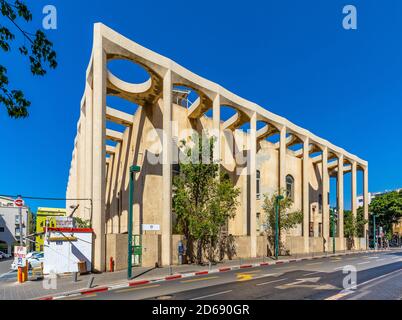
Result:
[[19, 202], [20, 254]]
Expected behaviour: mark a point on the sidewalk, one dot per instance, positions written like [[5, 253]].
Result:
[[64, 284]]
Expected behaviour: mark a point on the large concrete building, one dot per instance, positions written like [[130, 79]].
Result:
[[273, 154], [10, 226]]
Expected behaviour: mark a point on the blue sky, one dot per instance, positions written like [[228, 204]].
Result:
[[292, 57]]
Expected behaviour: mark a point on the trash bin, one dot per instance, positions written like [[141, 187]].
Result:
[[82, 267]]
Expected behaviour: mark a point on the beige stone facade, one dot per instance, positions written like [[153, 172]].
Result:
[[100, 171]]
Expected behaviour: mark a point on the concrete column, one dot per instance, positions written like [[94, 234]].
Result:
[[282, 159], [341, 204], [325, 206], [99, 149], [88, 151], [354, 188], [216, 118], [81, 168], [253, 185], [167, 170], [366, 201], [306, 195]]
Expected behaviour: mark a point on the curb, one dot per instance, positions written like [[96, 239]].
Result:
[[192, 274]]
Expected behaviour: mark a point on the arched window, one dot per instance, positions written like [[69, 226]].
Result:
[[258, 178], [290, 187]]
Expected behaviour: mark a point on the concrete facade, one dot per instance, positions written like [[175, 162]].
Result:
[[10, 226], [298, 159]]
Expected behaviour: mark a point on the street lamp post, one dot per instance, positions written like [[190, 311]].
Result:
[[133, 170], [277, 200], [374, 233]]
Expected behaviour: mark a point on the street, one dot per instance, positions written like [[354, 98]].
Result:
[[379, 276], [6, 274]]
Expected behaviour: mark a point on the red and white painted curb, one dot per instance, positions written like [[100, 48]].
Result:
[[192, 274]]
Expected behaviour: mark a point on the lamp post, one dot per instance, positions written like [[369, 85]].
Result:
[[133, 170], [374, 232], [277, 200]]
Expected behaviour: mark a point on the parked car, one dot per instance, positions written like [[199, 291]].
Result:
[[34, 260], [4, 255]]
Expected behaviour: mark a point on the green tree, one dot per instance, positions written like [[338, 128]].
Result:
[[288, 219], [388, 208], [81, 223], [204, 199], [39, 53], [353, 226]]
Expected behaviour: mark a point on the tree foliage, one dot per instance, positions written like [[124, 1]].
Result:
[[82, 223], [204, 199], [387, 208], [39, 53], [353, 226], [288, 218]]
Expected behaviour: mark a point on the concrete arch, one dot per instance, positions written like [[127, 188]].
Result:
[[139, 93]]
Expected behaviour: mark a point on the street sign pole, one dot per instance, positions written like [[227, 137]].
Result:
[[19, 203], [20, 214], [133, 170]]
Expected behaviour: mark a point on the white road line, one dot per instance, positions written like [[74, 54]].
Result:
[[344, 293], [309, 274], [6, 274], [372, 257], [364, 262], [212, 295], [339, 268], [273, 281], [381, 259]]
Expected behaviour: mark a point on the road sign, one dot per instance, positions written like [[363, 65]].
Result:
[[151, 227], [19, 202], [20, 253]]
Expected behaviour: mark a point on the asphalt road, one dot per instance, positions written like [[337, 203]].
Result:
[[6, 274], [378, 276]]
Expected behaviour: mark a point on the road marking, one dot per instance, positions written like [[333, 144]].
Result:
[[372, 257], [381, 259], [6, 274], [273, 281], [311, 273], [344, 293], [248, 272], [266, 275], [364, 262], [246, 276], [212, 295], [199, 279], [83, 296], [339, 268], [136, 288], [313, 264], [338, 296]]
